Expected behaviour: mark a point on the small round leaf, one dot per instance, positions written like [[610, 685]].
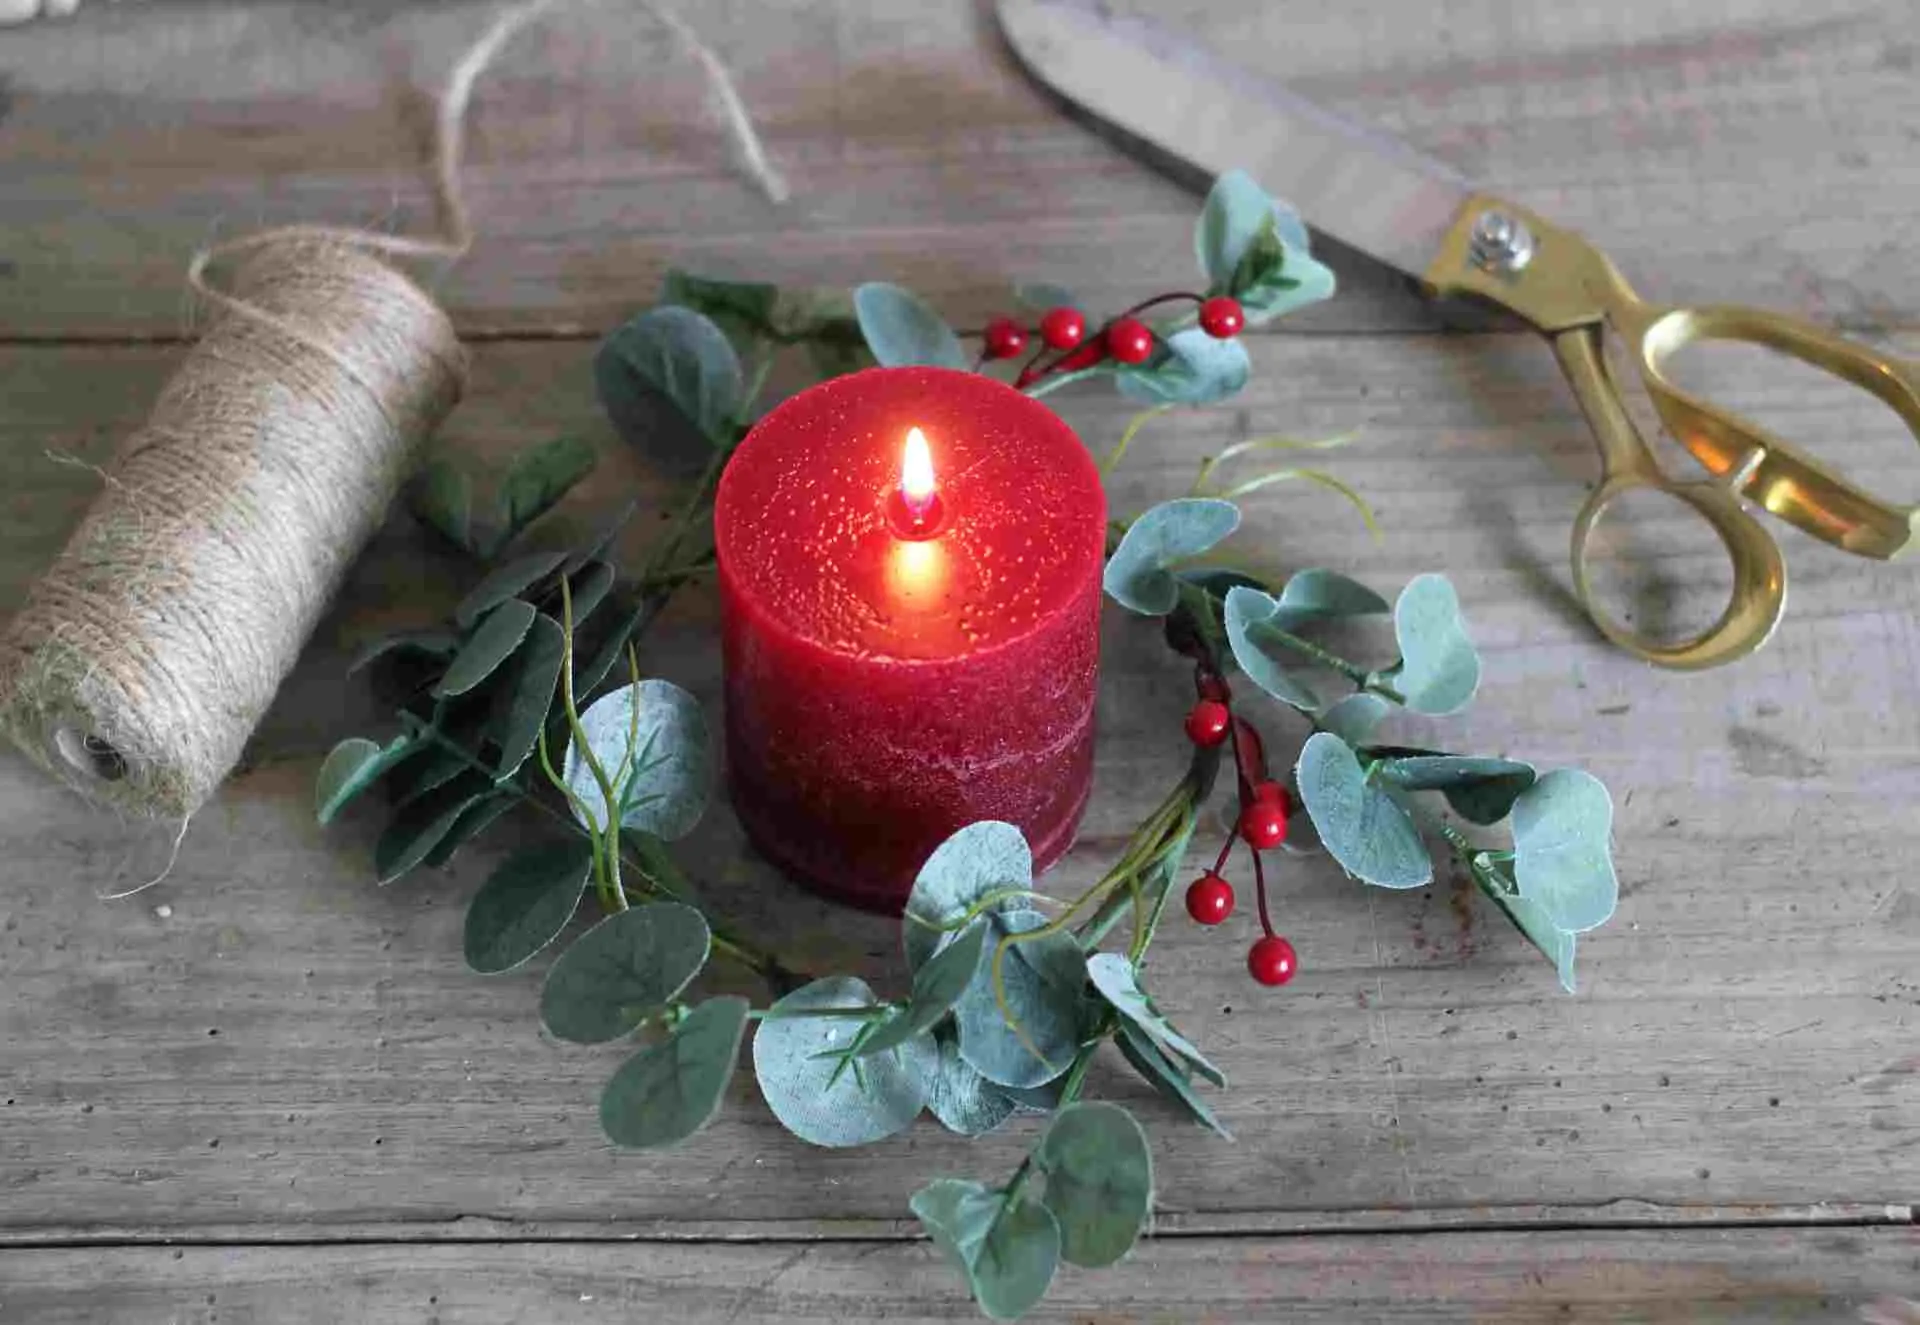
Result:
[[1006, 1251], [350, 768], [668, 1091], [1440, 669], [674, 355], [1137, 575], [902, 330], [1099, 1181], [815, 1091], [1563, 849], [1482, 790], [1251, 625], [622, 971], [525, 903], [964, 1101], [1044, 980], [670, 774], [981, 859], [1362, 826]]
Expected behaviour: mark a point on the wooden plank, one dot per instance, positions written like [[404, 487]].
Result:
[[1764, 150], [266, 1039], [1696, 1275]]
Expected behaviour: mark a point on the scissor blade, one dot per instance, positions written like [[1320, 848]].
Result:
[[1366, 189]]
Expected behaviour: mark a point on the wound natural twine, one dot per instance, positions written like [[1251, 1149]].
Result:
[[149, 651]]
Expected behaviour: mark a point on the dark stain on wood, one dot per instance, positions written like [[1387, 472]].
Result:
[[1763, 755]]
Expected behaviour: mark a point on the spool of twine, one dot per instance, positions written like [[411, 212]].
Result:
[[148, 652]]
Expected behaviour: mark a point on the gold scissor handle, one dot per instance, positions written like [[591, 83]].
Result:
[[1570, 291]]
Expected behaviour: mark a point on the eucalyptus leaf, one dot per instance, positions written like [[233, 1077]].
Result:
[[1250, 618], [432, 765], [1276, 275], [625, 969], [1006, 1250], [350, 768], [1554, 943], [427, 643], [503, 583], [744, 310], [420, 825], [981, 859], [1354, 718], [811, 1088], [1482, 790], [1043, 980], [521, 705], [1197, 370], [670, 775], [1119, 983], [1099, 1181], [473, 821], [1173, 1080], [525, 903], [902, 330], [1138, 575], [670, 1090], [674, 355], [491, 643], [965, 1102], [1324, 595], [539, 477], [1563, 849], [440, 496], [587, 588], [1232, 217], [1361, 825], [937, 986], [1440, 669]]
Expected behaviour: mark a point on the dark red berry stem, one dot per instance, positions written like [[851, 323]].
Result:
[[1226, 849], [1260, 894]]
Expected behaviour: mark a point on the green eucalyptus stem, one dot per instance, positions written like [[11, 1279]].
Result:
[[1070, 1087]]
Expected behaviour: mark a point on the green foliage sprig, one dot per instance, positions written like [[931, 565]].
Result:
[[531, 698]]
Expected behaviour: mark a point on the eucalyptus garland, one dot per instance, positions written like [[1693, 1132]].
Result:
[[532, 698]]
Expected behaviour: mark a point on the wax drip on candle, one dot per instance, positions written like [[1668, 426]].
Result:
[[914, 508]]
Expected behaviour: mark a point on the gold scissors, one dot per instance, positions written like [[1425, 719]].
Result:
[[1393, 204]]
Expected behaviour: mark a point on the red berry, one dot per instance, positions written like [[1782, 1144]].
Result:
[[1263, 822], [1221, 318], [1063, 328], [1271, 961], [1208, 723], [1129, 340], [1209, 899], [1003, 338]]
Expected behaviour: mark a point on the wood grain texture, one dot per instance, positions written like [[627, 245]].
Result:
[[290, 1045], [1694, 1276], [1764, 150]]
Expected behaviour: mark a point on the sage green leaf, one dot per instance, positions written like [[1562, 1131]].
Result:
[[420, 824], [1440, 670], [1354, 718], [1043, 296], [1197, 370], [587, 588], [1235, 212], [525, 903], [440, 497], [1007, 1251], [1324, 595], [350, 768], [1119, 983], [981, 859], [814, 1091], [1563, 849], [624, 970], [428, 643], [902, 330], [505, 582], [492, 643], [1251, 635], [539, 477], [1099, 1181], [1138, 576], [473, 821], [673, 355], [1554, 943], [1173, 1080], [520, 706], [597, 546], [1482, 790], [1362, 827], [742, 309], [937, 986], [965, 1102], [668, 1091], [670, 774], [1043, 980], [432, 765]]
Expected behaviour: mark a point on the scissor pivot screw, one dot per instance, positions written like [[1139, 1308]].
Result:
[[1500, 243]]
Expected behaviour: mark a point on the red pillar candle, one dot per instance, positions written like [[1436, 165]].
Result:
[[910, 596]]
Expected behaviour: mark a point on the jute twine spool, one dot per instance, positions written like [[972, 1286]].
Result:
[[146, 655]]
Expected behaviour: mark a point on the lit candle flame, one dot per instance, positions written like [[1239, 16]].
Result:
[[916, 474]]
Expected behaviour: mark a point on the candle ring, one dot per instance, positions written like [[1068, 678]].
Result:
[[913, 518]]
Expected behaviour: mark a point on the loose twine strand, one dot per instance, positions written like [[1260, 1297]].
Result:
[[147, 654]]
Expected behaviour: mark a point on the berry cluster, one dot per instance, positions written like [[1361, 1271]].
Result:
[[1126, 339], [1265, 807]]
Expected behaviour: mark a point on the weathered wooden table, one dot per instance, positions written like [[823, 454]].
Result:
[[268, 1090]]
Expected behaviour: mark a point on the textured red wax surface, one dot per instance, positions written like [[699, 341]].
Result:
[[883, 693]]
